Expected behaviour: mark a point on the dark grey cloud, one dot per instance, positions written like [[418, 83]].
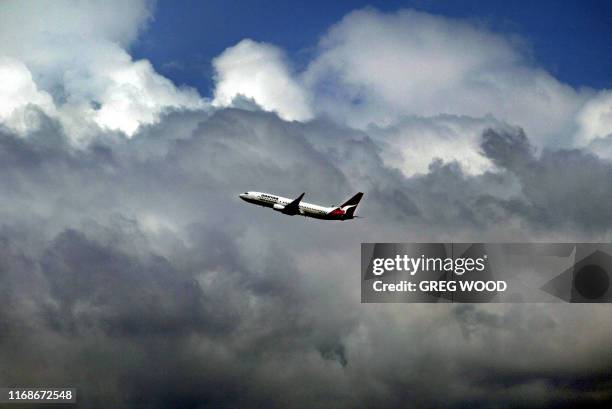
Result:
[[130, 269], [564, 187]]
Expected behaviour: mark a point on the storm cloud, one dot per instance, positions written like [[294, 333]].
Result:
[[131, 270]]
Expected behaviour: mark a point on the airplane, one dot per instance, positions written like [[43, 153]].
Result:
[[292, 207]]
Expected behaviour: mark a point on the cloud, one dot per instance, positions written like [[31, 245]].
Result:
[[260, 71], [409, 79], [139, 248], [77, 55], [595, 118], [111, 20], [19, 91], [374, 67], [413, 143], [559, 187], [135, 94]]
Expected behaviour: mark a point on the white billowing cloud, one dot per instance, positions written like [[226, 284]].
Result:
[[259, 71], [18, 90], [413, 143], [375, 68], [402, 76], [595, 119], [31, 20], [76, 52], [135, 94], [425, 85]]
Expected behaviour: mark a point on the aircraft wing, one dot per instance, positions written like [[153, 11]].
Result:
[[294, 207]]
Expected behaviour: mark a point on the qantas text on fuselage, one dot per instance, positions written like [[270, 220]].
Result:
[[292, 207]]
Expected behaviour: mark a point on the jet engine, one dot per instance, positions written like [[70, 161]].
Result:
[[278, 207]]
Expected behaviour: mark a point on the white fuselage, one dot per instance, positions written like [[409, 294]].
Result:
[[304, 209]]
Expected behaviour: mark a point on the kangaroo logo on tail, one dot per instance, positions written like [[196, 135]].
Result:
[[348, 208]]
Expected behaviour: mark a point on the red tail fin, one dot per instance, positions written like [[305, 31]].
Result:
[[352, 205]]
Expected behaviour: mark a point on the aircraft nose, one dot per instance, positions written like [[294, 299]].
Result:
[[243, 196]]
